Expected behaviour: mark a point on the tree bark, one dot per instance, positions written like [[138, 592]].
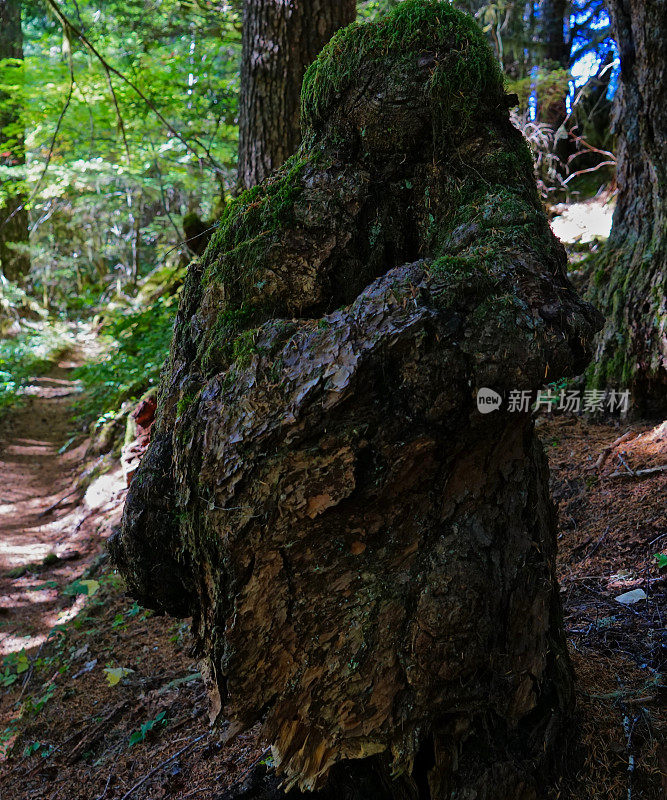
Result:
[[630, 283], [369, 559], [554, 47], [13, 217], [280, 40]]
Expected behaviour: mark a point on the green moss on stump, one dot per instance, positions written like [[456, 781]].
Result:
[[249, 225], [465, 77]]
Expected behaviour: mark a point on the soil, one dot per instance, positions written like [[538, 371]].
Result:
[[103, 701]]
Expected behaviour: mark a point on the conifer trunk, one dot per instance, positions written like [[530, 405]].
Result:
[[630, 284], [555, 48], [368, 557], [280, 40]]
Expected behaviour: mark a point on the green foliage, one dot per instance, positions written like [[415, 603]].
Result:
[[33, 705], [146, 727], [13, 665], [85, 587], [111, 203], [137, 346], [548, 86], [661, 559]]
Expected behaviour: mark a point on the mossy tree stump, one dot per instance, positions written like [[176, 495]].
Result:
[[369, 560]]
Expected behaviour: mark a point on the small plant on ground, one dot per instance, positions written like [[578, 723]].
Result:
[[153, 724]]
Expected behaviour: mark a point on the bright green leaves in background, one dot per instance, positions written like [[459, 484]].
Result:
[[119, 180]]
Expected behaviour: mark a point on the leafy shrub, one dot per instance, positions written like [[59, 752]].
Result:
[[25, 356], [137, 346], [152, 724]]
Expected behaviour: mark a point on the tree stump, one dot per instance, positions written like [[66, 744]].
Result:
[[368, 559]]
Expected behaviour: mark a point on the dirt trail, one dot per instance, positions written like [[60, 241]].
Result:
[[45, 531]]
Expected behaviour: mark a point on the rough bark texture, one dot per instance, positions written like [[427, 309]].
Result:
[[368, 559], [630, 284], [13, 218], [280, 40]]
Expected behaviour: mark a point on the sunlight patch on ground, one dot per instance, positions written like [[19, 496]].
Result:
[[15, 554], [583, 222], [14, 644], [104, 489]]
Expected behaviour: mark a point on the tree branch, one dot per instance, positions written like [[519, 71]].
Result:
[[111, 70]]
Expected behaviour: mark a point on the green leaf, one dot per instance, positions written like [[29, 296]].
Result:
[[87, 587], [23, 663], [661, 558]]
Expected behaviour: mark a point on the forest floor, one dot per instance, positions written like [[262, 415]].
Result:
[[100, 700]]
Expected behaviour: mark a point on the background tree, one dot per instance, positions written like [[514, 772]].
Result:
[[630, 285], [555, 47], [14, 258], [280, 40]]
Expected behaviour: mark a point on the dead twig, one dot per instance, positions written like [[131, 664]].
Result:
[[625, 464], [604, 455], [59, 502], [599, 542], [147, 777], [28, 676], [104, 793], [197, 791], [637, 473]]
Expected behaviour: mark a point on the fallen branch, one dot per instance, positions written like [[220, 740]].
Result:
[[604, 455], [638, 472], [90, 738]]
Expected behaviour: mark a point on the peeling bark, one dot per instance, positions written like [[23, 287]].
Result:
[[368, 559]]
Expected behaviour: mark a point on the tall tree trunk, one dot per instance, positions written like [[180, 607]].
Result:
[[280, 40], [630, 285], [13, 217]]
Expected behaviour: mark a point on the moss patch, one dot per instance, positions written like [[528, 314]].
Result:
[[250, 223], [466, 77]]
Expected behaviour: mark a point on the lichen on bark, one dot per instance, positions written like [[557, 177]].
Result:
[[369, 561]]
